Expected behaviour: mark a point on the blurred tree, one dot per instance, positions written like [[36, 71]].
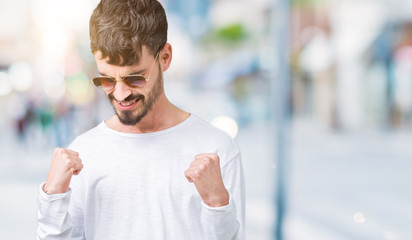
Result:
[[303, 2]]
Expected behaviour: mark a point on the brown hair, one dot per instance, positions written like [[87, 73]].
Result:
[[119, 29]]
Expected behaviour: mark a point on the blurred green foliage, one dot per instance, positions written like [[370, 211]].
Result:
[[228, 35], [231, 33], [77, 84], [304, 2]]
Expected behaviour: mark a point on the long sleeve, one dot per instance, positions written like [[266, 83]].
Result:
[[133, 185], [54, 220], [227, 222]]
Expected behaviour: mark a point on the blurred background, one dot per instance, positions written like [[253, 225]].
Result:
[[318, 94]]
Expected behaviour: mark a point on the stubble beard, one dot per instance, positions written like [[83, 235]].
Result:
[[132, 117]]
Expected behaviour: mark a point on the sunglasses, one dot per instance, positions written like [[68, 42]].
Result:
[[134, 81]]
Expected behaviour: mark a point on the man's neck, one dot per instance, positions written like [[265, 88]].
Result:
[[162, 116]]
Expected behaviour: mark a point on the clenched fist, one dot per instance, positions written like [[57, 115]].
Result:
[[205, 173], [64, 165]]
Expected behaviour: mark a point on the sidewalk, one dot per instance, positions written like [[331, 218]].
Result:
[[350, 185]]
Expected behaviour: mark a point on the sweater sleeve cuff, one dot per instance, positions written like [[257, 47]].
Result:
[[211, 210], [220, 222], [53, 207], [52, 197]]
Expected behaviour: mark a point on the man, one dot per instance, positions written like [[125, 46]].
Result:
[[151, 171]]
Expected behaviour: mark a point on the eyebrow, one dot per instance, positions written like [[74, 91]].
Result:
[[132, 73]]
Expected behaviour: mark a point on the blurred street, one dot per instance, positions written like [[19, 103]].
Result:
[[339, 72], [350, 185]]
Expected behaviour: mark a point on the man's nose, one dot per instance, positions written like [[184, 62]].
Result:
[[121, 91]]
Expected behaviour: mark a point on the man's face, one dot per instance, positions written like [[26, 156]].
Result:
[[132, 104]]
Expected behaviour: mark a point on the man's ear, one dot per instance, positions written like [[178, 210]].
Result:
[[165, 56]]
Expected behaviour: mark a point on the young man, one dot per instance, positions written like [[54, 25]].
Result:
[[151, 171]]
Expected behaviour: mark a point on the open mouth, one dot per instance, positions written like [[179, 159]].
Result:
[[128, 105]]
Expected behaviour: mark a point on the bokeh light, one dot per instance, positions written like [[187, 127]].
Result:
[[78, 89], [5, 85], [358, 217], [53, 84], [226, 124], [21, 76]]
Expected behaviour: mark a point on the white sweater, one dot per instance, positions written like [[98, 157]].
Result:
[[132, 186]]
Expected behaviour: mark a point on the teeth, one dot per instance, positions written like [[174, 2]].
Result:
[[128, 104]]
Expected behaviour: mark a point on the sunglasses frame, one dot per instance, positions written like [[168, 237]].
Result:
[[122, 78]]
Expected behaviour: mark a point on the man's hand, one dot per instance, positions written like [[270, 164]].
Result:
[[64, 165], [205, 173]]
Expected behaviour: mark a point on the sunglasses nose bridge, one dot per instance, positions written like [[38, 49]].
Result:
[[118, 80]]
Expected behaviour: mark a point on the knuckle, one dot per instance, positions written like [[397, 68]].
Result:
[[196, 173], [188, 172], [57, 150], [67, 162]]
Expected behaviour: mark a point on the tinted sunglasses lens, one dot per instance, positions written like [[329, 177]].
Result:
[[104, 82], [135, 81]]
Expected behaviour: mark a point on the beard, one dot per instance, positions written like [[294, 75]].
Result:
[[145, 104]]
